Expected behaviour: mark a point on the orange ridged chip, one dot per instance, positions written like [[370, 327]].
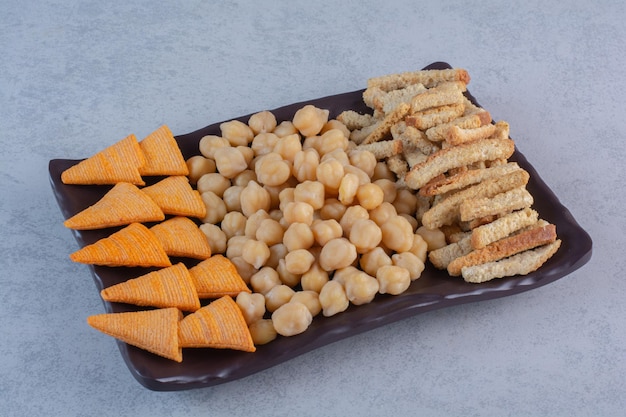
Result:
[[175, 196], [153, 330], [134, 245], [163, 156], [219, 324], [180, 236], [119, 162], [167, 287], [217, 276], [122, 205]]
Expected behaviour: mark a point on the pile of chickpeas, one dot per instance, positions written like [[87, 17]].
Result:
[[312, 223]]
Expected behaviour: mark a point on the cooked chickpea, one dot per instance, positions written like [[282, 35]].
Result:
[[397, 234], [434, 238], [361, 175], [298, 212], [393, 279], [352, 214], [365, 235], [309, 120], [264, 280], [330, 173], [270, 232], [419, 247], [234, 224], [326, 230], [215, 207], [198, 165], [370, 196], [288, 146], [311, 142], [285, 128], [411, 219], [298, 236], [360, 287], [232, 198], [314, 279], [272, 171], [383, 213], [277, 296], [244, 178], [255, 252], [229, 161], [216, 237], [285, 196], [262, 332], [236, 132], [331, 140], [389, 189], [253, 222], [234, 247], [337, 253], [277, 252], [310, 192], [291, 319], [341, 275], [254, 198], [213, 181], [244, 269], [365, 160], [405, 202], [263, 121], [305, 165], [252, 306], [374, 259], [299, 261], [264, 143], [335, 124], [310, 299], [332, 209], [348, 188], [210, 143], [410, 262], [333, 298], [285, 276], [274, 192], [382, 171]]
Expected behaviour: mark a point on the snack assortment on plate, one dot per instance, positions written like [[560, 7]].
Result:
[[295, 218]]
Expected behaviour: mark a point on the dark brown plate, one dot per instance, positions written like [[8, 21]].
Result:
[[434, 290]]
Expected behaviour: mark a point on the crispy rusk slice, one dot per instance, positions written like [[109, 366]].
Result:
[[503, 248], [456, 135], [500, 228], [443, 184], [383, 149], [514, 199], [119, 162], [163, 156], [458, 156], [181, 237], [175, 196], [442, 257], [134, 245], [470, 121], [429, 118], [217, 276], [122, 205], [429, 78], [384, 126], [521, 264], [167, 287], [354, 120], [219, 325], [153, 330]]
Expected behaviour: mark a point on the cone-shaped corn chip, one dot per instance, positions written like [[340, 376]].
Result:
[[175, 196], [163, 156], [153, 330], [219, 324], [216, 277], [134, 245], [180, 236], [119, 162], [167, 287], [122, 205]]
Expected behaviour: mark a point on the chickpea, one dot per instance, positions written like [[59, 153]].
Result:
[[326, 230], [277, 296], [299, 261], [210, 143], [393, 279], [332, 209], [272, 171], [397, 234], [383, 213], [310, 299], [215, 207], [305, 165], [341, 275], [312, 142], [244, 269], [288, 146], [236, 132], [198, 165], [234, 224], [348, 188], [314, 279], [291, 319], [255, 252], [335, 124], [244, 178], [374, 259], [410, 262], [405, 202], [370, 196], [234, 246], [364, 160], [253, 222], [410, 219], [298, 236], [263, 121], [232, 198], [270, 232], [264, 280], [252, 306], [382, 171], [247, 152], [419, 247], [333, 139], [298, 212], [361, 288], [330, 173], [274, 192], [333, 298], [365, 235], [285, 196], [254, 198], [389, 189], [309, 120], [310, 192], [214, 182], [264, 143], [285, 276], [434, 238], [337, 253], [277, 252], [285, 128], [361, 175], [352, 214], [229, 161], [262, 332], [216, 237]]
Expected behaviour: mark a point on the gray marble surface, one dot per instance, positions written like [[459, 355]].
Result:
[[76, 76]]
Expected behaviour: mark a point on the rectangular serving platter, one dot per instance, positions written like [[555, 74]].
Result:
[[435, 289]]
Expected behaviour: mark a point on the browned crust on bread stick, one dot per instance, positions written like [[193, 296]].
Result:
[[456, 135], [384, 126], [434, 116], [384, 148], [443, 184], [502, 227], [507, 201], [441, 258], [437, 133], [458, 156], [353, 120], [428, 78]]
